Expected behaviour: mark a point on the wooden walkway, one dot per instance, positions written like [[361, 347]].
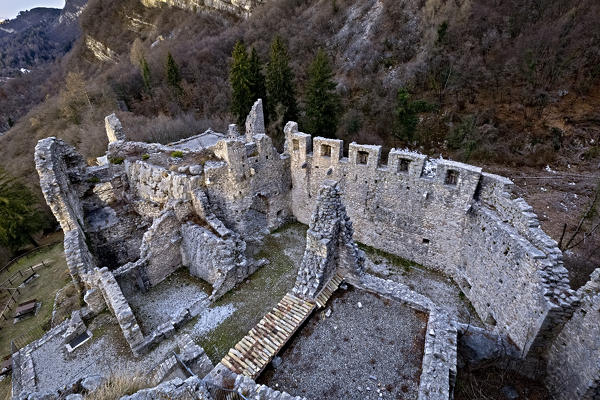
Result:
[[328, 290], [256, 350]]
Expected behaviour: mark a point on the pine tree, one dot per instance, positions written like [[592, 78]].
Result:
[[145, 70], [281, 92], [173, 75], [19, 216], [407, 114], [322, 102], [256, 79], [239, 79]]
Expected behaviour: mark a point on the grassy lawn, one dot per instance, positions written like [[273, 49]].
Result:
[[260, 293], [43, 288]]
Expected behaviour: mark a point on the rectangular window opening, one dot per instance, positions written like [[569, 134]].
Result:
[[296, 144], [403, 164], [362, 157], [451, 177], [325, 150]]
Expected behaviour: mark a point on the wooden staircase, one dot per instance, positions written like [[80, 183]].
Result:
[[328, 290], [256, 350]]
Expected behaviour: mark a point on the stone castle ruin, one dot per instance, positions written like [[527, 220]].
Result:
[[205, 202]]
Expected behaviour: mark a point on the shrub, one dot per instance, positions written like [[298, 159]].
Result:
[[177, 154], [145, 156], [116, 160]]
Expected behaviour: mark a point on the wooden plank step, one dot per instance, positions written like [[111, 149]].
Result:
[[287, 318], [257, 346], [267, 346], [274, 336], [291, 299], [225, 362], [294, 305], [250, 366]]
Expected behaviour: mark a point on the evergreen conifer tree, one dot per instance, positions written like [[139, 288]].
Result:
[[256, 79], [240, 81], [19, 215], [145, 70], [322, 102], [173, 75], [281, 91]]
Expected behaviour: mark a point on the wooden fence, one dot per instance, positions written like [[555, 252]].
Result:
[[10, 286], [30, 252]]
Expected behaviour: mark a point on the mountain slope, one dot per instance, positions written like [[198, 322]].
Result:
[[29, 45]]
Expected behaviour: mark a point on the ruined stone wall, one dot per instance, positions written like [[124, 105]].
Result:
[[119, 306], [160, 248], [447, 216], [62, 171], [217, 260], [329, 244], [573, 367], [249, 190]]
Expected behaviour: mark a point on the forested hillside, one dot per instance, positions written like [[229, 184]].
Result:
[[506, 82], [29, 45]]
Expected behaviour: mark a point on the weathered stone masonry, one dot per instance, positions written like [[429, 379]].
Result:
[[447, 216], [156, 207]]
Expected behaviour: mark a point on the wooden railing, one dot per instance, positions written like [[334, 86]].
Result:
[[12, 284]]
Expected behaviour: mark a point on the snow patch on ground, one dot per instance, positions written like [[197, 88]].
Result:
[[211, 318]]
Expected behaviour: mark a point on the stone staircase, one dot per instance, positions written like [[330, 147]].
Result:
[[256, 350]]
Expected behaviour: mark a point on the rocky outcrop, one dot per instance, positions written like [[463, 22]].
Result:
[[100, 50], [241, 8]]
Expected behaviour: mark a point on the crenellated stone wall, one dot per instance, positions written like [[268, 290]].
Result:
[[448, 216]]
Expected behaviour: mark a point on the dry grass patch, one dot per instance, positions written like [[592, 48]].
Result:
[[118, 386]]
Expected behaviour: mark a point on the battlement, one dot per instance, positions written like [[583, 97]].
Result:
[[365, 160], [446, 215]]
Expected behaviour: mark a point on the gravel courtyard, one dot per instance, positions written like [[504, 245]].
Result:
[[163, 301], [367, 348]]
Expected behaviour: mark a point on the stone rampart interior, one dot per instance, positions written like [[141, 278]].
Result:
[[445, 215], [203, 204]]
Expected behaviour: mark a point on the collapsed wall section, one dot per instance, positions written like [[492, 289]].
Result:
[[448, 216], [249, 190], [329, 244]]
